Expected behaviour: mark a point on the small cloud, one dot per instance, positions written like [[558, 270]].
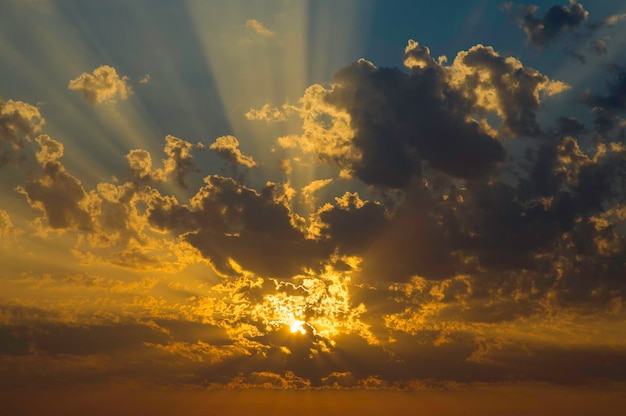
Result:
[[308, 191], [227, 147], [19, 121], [104, 84], [599, 47], [259, 28], [541, 31], [8, 231], [611, 20], [267, 113], [285, 166], [145, 79]]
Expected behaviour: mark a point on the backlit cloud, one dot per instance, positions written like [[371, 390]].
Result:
[[227, 147], [435, 115], [259, 28], [541, 31], [57, 193], [102, 85], [448, 225], [19, 121]]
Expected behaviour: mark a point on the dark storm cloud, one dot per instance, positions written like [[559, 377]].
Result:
[[541, 31], [435, 116], [403, 119]]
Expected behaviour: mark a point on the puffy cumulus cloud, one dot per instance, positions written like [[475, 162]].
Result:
[[18, 122], [140, 164], [227, 147], [102, 85], [503, 85], [326, 129], [228, 221], [541, 31], [178, 165], [121, 234], [418, 117], [259, 28], [385, 126], [58, 194]]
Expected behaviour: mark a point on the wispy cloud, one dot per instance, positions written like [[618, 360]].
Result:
[[259, 28]]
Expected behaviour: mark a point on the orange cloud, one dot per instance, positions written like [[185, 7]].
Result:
[[102, 85], [259, 28]]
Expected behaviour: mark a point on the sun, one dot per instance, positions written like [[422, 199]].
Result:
[[297, 326]]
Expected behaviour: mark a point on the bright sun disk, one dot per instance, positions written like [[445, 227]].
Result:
[[297, 326]]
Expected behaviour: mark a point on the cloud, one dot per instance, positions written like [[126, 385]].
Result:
[[434, 116], [609, 21], [228, 221], [8, 231], [541, 31], [58, 194], [615, 100], [227, 147], [199, 351], [267, 113], [470, 239], [179, 163], [599, 47], [504, 86], [308, 191], [259, 28], [103, 85], [19, 121]]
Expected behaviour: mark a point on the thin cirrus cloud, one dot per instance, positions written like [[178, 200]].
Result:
[[451, 236]]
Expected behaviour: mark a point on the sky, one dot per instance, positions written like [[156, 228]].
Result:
[[323, 207]]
